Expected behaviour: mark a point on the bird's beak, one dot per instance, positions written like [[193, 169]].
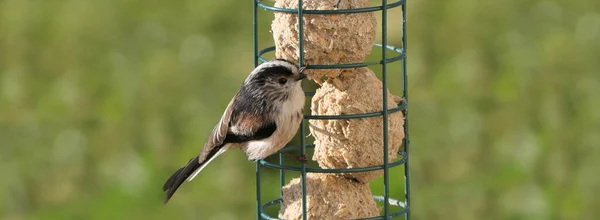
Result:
[[301, 75]]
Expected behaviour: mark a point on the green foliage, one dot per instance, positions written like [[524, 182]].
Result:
[[100, 101]]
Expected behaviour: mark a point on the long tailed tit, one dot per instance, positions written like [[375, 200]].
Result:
[[260, 119]]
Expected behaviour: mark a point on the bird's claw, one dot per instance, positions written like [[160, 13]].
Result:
[[299, 158], [336, 6]]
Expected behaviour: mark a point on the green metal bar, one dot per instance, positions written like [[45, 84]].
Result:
[[302, 135], [346, 65], [345, 170], [258, 202], [340, 11], [393, 202], [386, 174], [406, 137], [281, 177], [255, 33], [270, 203], [353, 116]]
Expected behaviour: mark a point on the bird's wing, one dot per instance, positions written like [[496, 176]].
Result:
[[219, 132], [238, 124]]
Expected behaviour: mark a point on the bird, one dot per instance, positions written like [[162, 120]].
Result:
[[261, 118]]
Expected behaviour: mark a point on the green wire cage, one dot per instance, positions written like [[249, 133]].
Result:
[[386, 198]]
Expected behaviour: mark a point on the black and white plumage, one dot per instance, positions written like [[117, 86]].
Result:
[[260, 119]]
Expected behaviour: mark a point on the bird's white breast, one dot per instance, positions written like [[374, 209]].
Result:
[[288, 120]]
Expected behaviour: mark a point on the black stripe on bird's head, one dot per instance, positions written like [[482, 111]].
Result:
[[280, 71]]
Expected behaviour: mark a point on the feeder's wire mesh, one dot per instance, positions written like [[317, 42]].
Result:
[[303, 169]]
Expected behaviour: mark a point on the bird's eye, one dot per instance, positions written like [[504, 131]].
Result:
[[282, 81]]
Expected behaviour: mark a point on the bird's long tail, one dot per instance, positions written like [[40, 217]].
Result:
[[188, 172], [178, 177]]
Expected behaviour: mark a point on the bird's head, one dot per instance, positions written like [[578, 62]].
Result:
[[277, 76]]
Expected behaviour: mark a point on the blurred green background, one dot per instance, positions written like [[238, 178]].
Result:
[[100, 101]]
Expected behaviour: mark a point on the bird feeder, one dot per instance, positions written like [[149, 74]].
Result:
[[360, 128]]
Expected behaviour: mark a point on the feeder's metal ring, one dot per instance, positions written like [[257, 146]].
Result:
[[400, 56], [297, 147], [344, 170], [339, 11], [393, 202], [354, 116]]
